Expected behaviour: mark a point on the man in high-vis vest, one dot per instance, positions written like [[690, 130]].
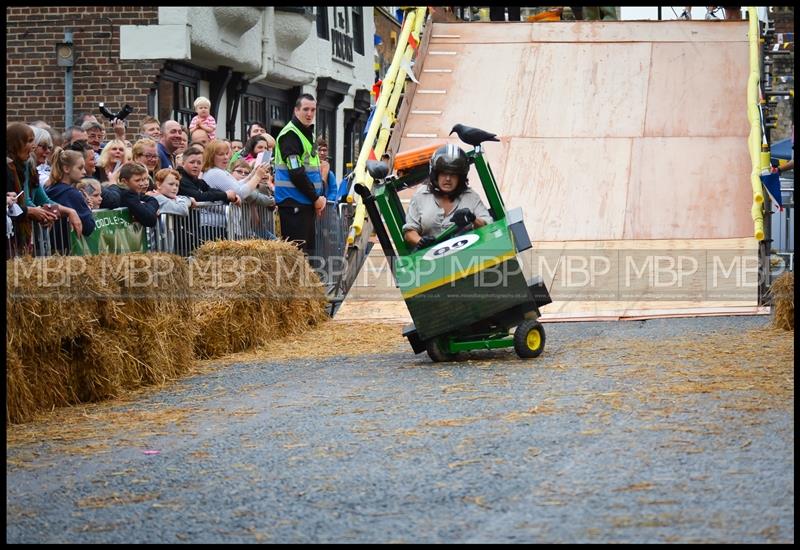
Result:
[[298, 182]]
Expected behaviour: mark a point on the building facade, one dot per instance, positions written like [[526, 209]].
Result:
[[251, 62]]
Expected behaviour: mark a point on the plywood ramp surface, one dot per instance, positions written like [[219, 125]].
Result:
[[613, 135]]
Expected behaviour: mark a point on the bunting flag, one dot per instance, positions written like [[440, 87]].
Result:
[[772, 182], [406, 64], [369, 120], [372, 155], [413, 41], [376, 89]]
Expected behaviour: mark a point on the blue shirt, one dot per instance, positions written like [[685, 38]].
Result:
[[66, 195], [164, 156]]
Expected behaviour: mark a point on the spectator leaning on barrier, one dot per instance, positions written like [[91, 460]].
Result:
[[298, 183], [166, 193], [13, 212], [42, 147], [128, 193], [67, 172], [145, 151], [191, 185], [171, 141], [90, 189], [263, 194], [23, 180], [215, 161]]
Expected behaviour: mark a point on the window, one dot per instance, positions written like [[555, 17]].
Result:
[[278, 116], [177, 90], [326, 127], [253, 110], [322, 23], [183, 107], [358, 30]]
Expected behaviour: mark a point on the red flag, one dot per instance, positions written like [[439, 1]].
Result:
[[376, 89], [413, 41], [372, 155]]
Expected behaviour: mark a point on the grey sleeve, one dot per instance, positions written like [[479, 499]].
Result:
[[260, 199], [482, 212], [413, 217], [179, 206]]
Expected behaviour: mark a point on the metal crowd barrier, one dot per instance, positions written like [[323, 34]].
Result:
[[210, 221], [330, 242], [42, 241], [782, 226]]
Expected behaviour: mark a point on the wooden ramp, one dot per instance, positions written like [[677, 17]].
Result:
[[623, 137]]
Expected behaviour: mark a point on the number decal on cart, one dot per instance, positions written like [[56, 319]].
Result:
[[450, 246]]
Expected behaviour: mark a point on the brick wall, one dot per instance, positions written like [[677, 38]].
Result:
[[783, 65], [385, 25], [35, 83]]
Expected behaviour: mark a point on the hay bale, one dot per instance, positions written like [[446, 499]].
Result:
[[117, 322], [36, 382], [782, 293], [48, 300], [251, 292]]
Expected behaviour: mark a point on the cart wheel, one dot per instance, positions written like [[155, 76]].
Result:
[[437, 353], [529, 339]]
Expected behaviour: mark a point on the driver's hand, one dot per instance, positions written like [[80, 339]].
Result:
[[425, 242], [463, 217]]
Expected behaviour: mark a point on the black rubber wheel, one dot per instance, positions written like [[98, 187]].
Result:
[[529, 339], [437, 353]]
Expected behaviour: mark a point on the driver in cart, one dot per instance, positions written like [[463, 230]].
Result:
[[446, 200]]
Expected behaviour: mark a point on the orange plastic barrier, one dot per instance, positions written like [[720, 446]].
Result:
[[414, 157], [545, 16]]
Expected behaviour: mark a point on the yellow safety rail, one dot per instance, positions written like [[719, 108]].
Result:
[[385, 111], [755, 138]]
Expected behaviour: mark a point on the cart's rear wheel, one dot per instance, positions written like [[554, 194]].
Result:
[[529, 339], [436, 351]]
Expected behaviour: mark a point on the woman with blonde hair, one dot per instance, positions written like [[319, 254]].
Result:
[[145, 152], [215, 161], [112, 157]]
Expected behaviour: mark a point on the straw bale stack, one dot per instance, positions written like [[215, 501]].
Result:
[[782, 291], [116, 322], [249, 292]]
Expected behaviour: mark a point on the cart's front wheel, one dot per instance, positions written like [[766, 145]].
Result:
[[437, 352], [529, 339]]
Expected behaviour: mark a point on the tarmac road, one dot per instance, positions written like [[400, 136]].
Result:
[[579, 445]]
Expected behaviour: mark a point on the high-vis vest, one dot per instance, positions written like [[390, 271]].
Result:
[[284, 188]]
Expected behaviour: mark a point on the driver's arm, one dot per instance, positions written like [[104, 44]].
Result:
[[412, 229], [412, 237], [482, 216]]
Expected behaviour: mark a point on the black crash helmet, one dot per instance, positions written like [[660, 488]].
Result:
[[449, 158]]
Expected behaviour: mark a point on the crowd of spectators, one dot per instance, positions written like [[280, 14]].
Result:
[[57, 179]]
